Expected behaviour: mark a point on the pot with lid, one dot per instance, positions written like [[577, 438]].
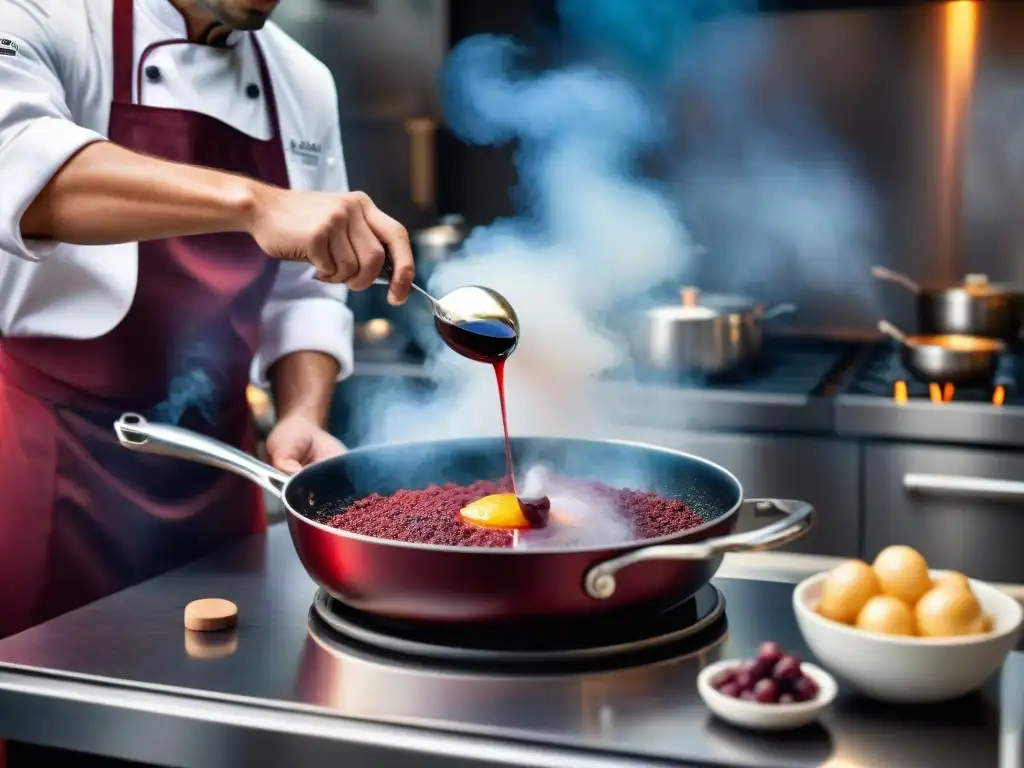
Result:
[[708, 334], [974, 307]]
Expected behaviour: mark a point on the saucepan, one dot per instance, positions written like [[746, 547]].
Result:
[[471, 584], [963, 361], [975, 307], [710, 334]]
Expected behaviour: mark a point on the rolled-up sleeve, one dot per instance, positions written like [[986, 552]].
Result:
[[303, 314], [37, 133]]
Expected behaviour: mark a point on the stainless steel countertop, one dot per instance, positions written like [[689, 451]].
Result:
[[122, 678]]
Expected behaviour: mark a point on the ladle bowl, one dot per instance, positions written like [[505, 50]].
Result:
[[475, 321]]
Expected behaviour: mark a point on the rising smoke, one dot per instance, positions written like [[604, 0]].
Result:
[[595, 233], [780, 199]]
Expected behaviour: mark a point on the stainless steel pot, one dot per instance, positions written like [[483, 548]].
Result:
[[706, 333], [974, 307]]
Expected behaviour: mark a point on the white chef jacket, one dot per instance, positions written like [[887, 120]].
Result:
[[56, 82]]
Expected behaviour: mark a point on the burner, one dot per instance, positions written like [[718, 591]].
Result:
[[883, 368], [629, 637]]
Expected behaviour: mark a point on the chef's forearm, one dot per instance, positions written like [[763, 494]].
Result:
[[304, 384], [106, 194]]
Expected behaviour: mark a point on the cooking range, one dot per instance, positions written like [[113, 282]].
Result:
[[288, 689], [882, 400]]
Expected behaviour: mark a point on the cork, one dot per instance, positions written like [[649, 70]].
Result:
[[211, 614]]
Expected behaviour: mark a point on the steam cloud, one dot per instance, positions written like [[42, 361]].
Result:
[[776, 199], [198, 381], [595, 233], [772, 196]]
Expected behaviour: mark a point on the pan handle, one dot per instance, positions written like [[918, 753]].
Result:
[[889, 276], [136, 433], [778, 311], [599, 581]]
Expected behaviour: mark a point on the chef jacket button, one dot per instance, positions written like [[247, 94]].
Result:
[[152, 73], [252, 91]]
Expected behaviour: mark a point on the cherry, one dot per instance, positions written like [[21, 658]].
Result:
[[723, 678], [805, 689], [760, 669], [536, 511], [731, 690], [771, 677], [766, 691], [770, 652], [786, 668], [744, 680]]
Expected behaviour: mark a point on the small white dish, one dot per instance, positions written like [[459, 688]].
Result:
[[766, 717]]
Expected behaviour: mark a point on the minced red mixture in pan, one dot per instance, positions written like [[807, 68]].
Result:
[[431, 515]]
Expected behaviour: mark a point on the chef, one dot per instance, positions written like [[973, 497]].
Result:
[[174, 219]]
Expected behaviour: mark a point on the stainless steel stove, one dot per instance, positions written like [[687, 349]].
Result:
[[881, 399], [631, 637], [122, 678]]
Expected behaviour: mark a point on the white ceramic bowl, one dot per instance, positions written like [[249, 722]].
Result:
[[766, 717], [910, 669]]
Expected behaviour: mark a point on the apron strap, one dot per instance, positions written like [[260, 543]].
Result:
[[124, 50], [124, 61]]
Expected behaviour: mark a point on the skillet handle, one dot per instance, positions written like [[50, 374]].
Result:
[[599, 581], [136, 433]]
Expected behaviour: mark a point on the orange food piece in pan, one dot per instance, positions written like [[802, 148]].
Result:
[[499, 510]]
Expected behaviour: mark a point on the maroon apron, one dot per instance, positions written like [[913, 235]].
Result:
[[80, 516]]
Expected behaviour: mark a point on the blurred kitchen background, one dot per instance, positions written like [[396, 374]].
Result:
[[806, 143]]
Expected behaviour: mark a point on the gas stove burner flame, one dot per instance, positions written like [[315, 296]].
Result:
[[940, 394], [999, 396]]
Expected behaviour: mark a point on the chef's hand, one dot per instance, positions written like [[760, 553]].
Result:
[[295, 441], [342, 235]]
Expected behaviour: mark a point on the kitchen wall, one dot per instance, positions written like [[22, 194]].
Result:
[[385, 56], [873, 82]]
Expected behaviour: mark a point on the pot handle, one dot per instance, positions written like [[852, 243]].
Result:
[[889, 276], [778, 311], [599, 581], [136, 433]]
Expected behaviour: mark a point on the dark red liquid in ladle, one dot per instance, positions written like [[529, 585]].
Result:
[[486, 341]]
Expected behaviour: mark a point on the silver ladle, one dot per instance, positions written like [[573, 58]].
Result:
[[463, 308]]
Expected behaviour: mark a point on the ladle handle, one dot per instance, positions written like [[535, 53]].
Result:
[[387, 269], [883, 273], [893, 332]]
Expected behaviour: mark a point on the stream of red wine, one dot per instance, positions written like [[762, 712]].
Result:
[[499, 374], [486, 341]]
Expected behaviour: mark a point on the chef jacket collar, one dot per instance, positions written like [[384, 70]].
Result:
[[164, 13]]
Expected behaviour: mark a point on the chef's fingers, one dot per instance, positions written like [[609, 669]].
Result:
[[318, 253], [368, 249], [396, 239], [342, 253]]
